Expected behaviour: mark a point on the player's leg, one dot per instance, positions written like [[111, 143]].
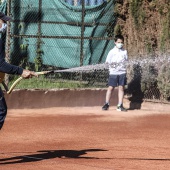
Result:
[[3, 109], [112, 83], [121, 85], [120, 95], [109, 93], [108, 96]]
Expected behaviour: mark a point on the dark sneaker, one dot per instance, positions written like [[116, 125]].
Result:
[[105, 107], [121, 108]]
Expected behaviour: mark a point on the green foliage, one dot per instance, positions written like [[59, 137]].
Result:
[[149, 80], [149, 77], [160, 9], [24, 47], [117, 30], [137, 12], [38, 59], [152, 5], [140, 10], [164, 81], [165, 36], [149, 47]]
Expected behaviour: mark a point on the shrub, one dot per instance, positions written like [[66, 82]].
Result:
[[164, 81], [149, 79]]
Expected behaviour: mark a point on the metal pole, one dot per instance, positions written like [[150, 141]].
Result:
[[7, 45], [82, 34], [39, 22], [38, 52]]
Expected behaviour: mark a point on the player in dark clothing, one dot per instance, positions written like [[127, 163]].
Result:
[[8, 68]]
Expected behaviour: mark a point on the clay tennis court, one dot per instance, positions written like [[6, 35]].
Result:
[[83, 137]]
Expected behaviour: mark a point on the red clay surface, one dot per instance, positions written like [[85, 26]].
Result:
[[85, 138]]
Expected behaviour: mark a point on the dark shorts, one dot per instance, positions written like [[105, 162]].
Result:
[[117, 80]]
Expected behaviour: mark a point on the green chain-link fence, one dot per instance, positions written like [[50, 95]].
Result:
[[53, 34], [61, 34]]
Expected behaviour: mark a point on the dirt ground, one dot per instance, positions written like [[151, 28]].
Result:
[[85, 138]]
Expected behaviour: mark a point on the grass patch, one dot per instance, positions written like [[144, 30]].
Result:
[[44, 83]]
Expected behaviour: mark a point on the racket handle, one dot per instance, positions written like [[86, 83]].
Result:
[[14, 84]]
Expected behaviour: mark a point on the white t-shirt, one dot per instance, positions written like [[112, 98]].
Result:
[[117, 56]]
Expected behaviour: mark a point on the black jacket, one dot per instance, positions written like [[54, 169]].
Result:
[[6, 67]]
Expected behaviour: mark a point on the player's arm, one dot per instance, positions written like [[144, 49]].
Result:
[[12, 69], [110, 60], [9, 68]]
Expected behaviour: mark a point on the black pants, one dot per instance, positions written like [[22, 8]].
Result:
[[3, 108]]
